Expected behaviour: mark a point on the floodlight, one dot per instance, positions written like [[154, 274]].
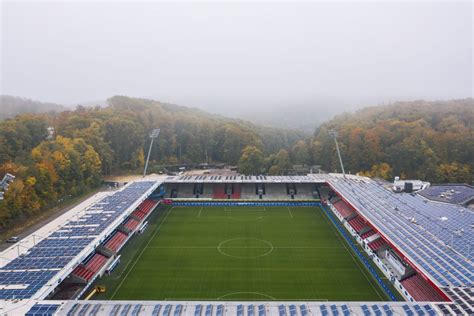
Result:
[[154, 134], [334, 134]]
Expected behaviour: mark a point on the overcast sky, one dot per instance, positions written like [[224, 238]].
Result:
[[208, 54]]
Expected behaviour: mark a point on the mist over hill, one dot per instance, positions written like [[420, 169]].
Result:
[[11, 106]]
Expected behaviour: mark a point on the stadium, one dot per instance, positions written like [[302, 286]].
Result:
[[210, 244]]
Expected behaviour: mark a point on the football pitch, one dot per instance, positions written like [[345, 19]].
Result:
[[240, 253]]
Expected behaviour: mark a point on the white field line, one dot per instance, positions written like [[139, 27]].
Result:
[[289, 210], [343, 242], [235, 247], [141, 253]]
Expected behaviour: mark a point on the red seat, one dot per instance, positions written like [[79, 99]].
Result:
[[420, 289], [367, 234], [236, 194], [357, 223], [131, 224], [91, 267], [343, 209], [219, 192], [377, 244], [116, 241]]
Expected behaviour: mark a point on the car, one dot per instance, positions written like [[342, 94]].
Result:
[[13, 240]]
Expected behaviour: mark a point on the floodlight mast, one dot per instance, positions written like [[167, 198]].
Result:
[[154, 134], [333, 134]]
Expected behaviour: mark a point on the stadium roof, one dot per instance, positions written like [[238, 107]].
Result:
[[241, 179], [450, 193]]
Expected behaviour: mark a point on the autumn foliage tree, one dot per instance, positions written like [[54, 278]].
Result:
[[251, 161], [431, 141]]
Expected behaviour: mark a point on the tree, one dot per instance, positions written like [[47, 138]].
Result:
[[251, 160], [382, 170], [279, 164], [455, 173], [300, 153]]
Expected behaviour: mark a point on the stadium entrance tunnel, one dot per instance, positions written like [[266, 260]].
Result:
[[245, 248]]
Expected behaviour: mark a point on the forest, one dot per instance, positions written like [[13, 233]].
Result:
[[91, 142], [431, 141]]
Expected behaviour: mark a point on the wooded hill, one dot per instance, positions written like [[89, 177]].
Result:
[[91, 142], [431, 141]]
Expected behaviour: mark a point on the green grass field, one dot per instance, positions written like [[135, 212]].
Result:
[[240, 253]]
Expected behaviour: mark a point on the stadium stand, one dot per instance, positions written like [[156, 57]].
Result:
[[131, 224], [420, 229], [357, 223], [377, 244], [275, 191], [236, 192], [219, 192], [89, 268], [305, 191], [248, 191], [368, 234], [186, 191], [144, 209], [208, 191], [343, 209], [420, 290], [61, 247], [116, 241]]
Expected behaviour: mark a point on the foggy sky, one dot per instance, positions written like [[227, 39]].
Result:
[[237, 55]]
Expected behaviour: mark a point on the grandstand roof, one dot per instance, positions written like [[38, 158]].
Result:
[[241, 179], [436, 237], [450, 193], [29, 268], [213, 308]]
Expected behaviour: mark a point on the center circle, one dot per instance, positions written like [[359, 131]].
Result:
[[245, 248]]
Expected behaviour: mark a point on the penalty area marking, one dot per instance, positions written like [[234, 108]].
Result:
[[244, 209], [255, 293], [289, 210], [220, 246], [233, 218], [200, 210]]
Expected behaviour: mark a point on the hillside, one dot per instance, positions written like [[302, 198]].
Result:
[[11, 106], [93, 142], [432, 141], [428, 140]]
